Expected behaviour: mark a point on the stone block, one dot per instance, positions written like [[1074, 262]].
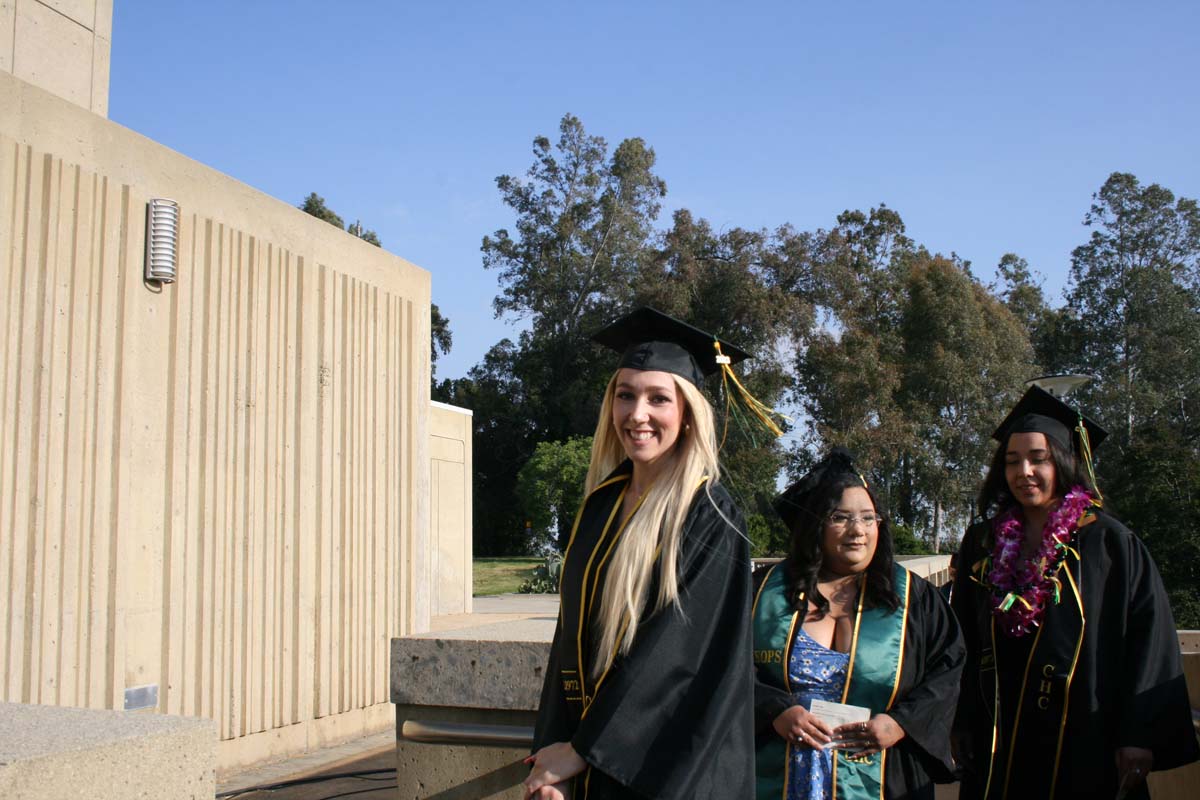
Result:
[[480, 677], [52, 752], [8, 25], [471, 672], [453, 772], [53, 52], [101, 62], [104, 14], [80, 11]]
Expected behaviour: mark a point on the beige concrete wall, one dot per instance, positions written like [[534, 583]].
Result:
[[450, 510], [63, 46], [217, 487]]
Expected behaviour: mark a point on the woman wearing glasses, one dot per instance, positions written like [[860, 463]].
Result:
[[857, 661], [1073, 686]]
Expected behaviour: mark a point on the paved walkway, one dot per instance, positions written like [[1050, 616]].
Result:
[[502, 617], [365, 768], [308, 776]]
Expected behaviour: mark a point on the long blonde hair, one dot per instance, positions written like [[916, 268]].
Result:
[[657, 526]]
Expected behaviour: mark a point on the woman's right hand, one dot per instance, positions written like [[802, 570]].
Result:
[[798, 726], [553, 765], [559, 791]]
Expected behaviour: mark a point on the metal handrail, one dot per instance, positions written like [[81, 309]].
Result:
[[467, 733], [474, 735]]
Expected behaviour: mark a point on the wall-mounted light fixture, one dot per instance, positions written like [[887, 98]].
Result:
[[162, 240]]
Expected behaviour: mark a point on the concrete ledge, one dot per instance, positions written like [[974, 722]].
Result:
[[468, 672], [934, 569], [484, 668], [460, 772], [52, 752]]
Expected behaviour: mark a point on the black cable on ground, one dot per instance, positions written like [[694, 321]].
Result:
[[270, 787]]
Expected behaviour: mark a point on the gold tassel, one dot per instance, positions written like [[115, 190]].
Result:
[[760, 410], [1085, 450]]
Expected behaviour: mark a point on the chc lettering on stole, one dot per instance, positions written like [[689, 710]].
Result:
[[1044, 688]]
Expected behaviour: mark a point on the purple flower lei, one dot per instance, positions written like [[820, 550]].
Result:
[[1022, 588]]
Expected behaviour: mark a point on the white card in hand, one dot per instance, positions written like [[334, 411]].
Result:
[[835, 714]]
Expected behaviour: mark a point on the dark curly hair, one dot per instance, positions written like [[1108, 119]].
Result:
[[995, 497], [808, 531]]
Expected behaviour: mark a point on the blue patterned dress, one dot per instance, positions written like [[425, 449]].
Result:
[[816, 673]]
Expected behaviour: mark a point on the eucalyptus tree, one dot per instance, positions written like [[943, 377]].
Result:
[[1133, 321], [1134, 293], [726, 282], [911, 363], [966, 357], [583, 224], [584, 221]]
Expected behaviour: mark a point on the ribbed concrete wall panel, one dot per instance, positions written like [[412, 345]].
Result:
[[206, 486]]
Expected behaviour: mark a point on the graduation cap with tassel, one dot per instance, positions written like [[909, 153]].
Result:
[[1039, 411], [648, 339]]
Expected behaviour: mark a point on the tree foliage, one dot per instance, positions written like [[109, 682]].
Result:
[[724, 282], [910, 366], [1133, 292], [584, 250], [440, 337], [966, 357], [1133, 322], [550, 489], [314, 204], [584, 222], [902, 355]]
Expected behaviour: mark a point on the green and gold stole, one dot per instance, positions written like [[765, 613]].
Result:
[[876, 660]]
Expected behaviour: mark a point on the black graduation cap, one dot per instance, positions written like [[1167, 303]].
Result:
[[1038, 411], [797, 498], [651, 340]]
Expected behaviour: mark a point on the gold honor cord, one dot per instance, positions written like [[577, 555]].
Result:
[[759, 410]]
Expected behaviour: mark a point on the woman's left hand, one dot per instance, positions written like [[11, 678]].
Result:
[[1133, 765], [866, 738], [553, 764]]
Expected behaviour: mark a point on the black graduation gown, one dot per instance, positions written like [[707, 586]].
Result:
[[925, 700], [1126, 688], [672, 718]]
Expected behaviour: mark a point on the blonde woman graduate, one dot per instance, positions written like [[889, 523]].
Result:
[[648, 693], [857, 661], [1073, 686]]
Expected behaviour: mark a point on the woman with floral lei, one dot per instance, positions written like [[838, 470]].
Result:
[[1073, 686]]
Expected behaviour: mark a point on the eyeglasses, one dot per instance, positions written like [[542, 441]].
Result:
[[840, 520]]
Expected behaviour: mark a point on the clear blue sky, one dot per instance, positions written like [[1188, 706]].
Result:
[[986, 125]]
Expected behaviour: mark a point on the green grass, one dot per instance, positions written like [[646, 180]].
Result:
[[502, 575]]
